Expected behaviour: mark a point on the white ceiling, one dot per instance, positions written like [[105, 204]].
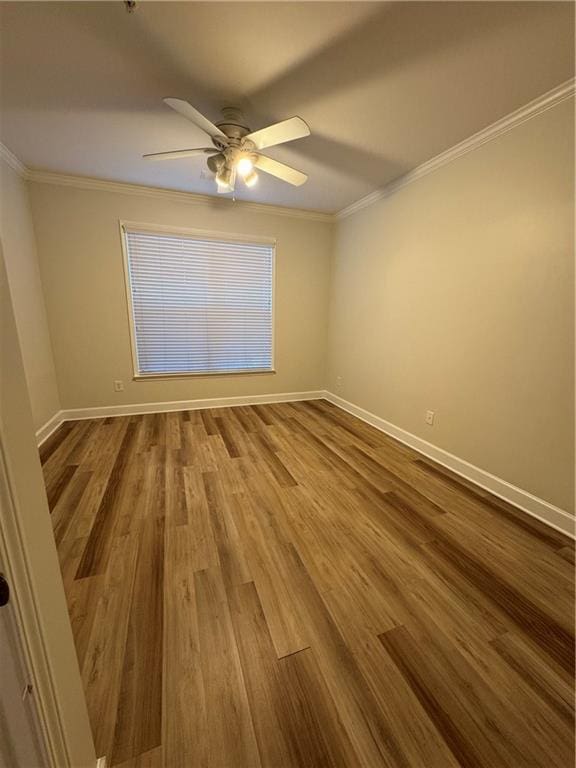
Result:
[[383, 86]]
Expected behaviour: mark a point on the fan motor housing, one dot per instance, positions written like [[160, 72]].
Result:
[[233, 123]]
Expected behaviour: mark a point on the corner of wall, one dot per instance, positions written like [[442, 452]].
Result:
[[20, 254]]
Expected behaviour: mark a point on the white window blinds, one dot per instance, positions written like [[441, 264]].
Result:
[[199, 305]]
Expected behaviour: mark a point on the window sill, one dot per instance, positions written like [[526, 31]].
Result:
[[201, 374]]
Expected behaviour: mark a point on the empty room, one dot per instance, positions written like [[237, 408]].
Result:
[[287, 403]]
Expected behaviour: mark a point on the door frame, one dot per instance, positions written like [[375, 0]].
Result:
[[29, 629], [30, 562], [17, 574]]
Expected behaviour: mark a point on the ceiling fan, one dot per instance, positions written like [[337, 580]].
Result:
[[236, 150]]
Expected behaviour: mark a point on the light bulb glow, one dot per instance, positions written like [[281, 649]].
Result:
[[224, 180], [244, 166], [251, 178]]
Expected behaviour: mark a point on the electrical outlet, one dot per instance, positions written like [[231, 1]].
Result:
[[429, 417], [118, 386], [338, 381]]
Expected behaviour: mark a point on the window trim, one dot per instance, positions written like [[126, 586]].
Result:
[[204, 234]]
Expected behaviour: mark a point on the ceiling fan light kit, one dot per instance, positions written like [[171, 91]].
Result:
[[251, 178], [236, 150], [245, 165], [224, 180]]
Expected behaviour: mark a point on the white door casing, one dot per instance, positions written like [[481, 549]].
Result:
[[29, 559]]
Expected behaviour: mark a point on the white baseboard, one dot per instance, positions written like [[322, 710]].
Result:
[[51, 425], [133, 409], [554, 516]]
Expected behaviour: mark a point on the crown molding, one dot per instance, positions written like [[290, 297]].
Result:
[[11, 160], [102, 185], [548, 100]]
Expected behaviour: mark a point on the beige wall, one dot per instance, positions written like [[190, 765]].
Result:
[[83, 279], [457, 294], [19, 246]]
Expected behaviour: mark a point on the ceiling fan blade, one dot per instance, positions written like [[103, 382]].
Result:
[[280, 170], [188, 111], [179, 153], [287, 130]]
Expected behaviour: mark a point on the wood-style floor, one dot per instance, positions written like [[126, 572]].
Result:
[[284, 586]]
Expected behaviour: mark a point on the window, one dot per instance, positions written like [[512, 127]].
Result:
[[198, 303]]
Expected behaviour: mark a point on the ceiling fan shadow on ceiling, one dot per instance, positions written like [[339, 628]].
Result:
[[236, 150]]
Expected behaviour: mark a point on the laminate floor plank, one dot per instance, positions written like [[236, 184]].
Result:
[[73, 448], [104, 656], [231, 741], [80, 451], [98, 546], [379, 439], [567, 552], [517, 561], [99, 453], [202, 551], [544, 533], [272, 572], [553, 690], [69, 555], [370, 733], [284, 586], [175, 499], [295, 719], [554, 640], [52, 443], [232, 556], [65, 510], [466, 737], [184, 717], [421, 744], [339, 425], [151, 759], [470, 507], [533, 578], [483, 723], [81, 597], [59, 483], [139, 715], [173, 437], [100, 459], [248, 420]]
